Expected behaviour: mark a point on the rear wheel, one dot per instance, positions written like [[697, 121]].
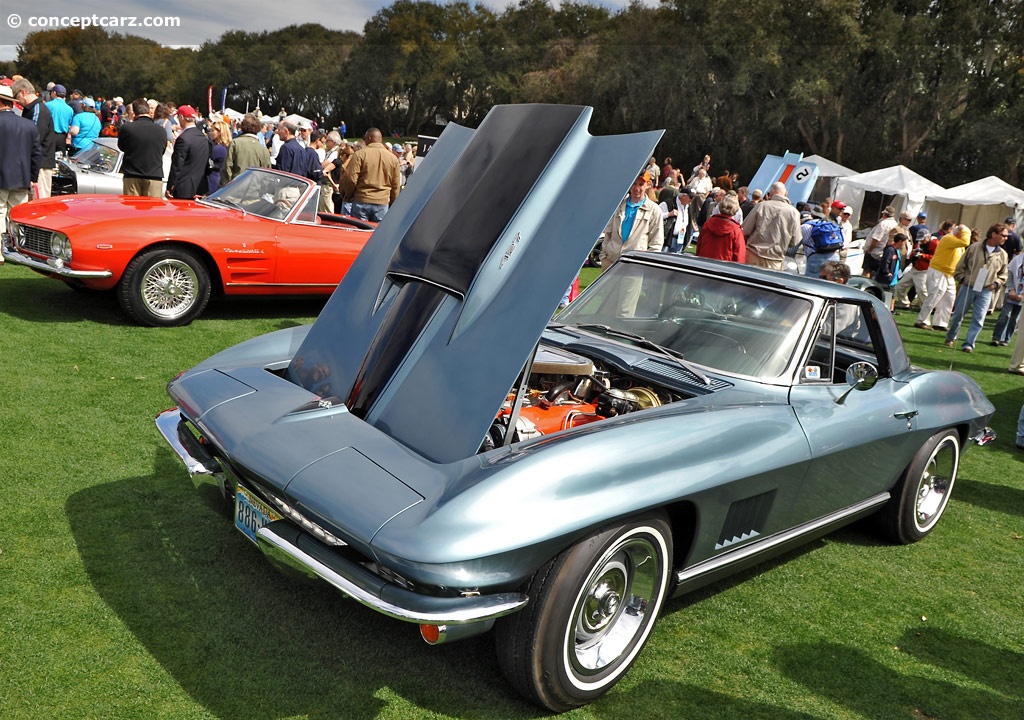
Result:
[[591, 611], [164, 287], [923, 492]]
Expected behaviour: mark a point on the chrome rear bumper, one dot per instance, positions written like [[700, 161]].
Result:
[[185, 445], [290, 548], [285, 544]]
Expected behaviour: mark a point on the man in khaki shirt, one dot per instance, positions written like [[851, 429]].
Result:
[[372, 179], [772, 229], [982, 270]]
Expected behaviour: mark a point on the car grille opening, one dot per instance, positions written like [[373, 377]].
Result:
[[35, 240]]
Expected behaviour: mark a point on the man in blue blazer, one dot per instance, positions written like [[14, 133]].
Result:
[[20, 155]]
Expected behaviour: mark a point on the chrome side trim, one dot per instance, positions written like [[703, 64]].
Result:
[[370, 590], [773, 542], [62, 271]]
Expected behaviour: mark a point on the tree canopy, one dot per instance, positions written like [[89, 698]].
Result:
[[931, 84]]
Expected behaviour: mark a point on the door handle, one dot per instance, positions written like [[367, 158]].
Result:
[[907, 415]]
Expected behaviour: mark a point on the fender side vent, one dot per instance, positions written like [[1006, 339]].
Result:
[[745, 519]]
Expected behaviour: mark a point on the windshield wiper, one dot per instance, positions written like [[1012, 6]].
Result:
[[643, 342], [226, 203]]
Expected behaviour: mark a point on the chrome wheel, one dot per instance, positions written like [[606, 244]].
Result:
[[169, 288], [591, 611], [922, 494], [613, 608], [936, 482], [165, 286]]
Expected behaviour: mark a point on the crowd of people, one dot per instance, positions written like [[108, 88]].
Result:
[[949, 274], [360, 178], [945, 275]]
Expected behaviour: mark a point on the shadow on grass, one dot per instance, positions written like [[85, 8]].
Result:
[[34, 298], [855, 680], [255, 308], [39, 299], [998, 669], [667, 699], [997, 498], [242, 640]]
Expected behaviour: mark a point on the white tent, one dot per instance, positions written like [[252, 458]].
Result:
[[828, 176], [906, 188], [298, 119], [231, 114], [979, 204]]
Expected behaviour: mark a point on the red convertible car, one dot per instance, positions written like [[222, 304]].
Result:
[[259, 235]]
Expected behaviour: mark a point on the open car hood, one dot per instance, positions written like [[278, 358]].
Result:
[[441, 310]]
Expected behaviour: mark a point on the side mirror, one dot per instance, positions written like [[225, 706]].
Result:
[[860, 376]]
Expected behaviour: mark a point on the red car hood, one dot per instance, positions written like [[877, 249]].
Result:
[[68, 211]]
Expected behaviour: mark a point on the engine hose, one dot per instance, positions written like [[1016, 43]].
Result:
[[552, 395]]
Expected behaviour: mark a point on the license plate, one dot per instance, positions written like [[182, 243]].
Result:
[[251, 513]]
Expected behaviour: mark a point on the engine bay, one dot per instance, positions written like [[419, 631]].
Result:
[[567, 390]]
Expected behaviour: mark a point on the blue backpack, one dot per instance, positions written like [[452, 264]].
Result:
[[826, 236]]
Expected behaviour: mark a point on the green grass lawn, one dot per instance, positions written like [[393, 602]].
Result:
[[124, 595]]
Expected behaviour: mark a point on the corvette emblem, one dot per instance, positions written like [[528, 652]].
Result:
[[508, 253]]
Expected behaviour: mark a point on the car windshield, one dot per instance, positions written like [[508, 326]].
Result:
[[261, 192], [718, 323], [99, 157]]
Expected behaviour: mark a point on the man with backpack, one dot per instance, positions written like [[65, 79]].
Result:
[[822, 240]]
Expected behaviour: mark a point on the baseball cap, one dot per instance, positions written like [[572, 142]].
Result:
[[1010, 221], [847, 210], [922, 214], [838, 204], [60, 90], [187, 111], [396, 147]]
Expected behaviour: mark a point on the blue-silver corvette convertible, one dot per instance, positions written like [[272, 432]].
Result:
[[437, 448]]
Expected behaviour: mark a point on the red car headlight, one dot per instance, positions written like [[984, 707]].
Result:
[[60, 246]]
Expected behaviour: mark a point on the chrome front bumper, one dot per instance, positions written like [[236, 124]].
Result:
[[984, 436], [52, 267], [291, 548]]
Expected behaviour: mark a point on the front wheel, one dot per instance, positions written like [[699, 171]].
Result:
[[591, 611], [923, 491], [164, 287]]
